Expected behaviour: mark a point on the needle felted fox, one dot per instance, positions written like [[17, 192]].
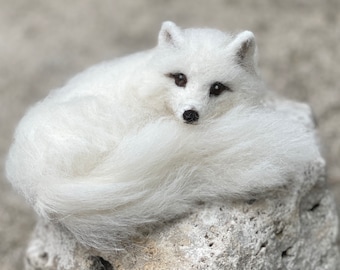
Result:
[[138, 140]]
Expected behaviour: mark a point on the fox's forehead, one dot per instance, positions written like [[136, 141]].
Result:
[[199, 58], [205, 46], [207, 38], [207, 65]]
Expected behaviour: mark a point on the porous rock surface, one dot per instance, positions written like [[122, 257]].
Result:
[[292, 228]]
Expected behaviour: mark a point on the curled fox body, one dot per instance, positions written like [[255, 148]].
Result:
[[138, 140]]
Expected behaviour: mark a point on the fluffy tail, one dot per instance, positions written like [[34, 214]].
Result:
[[105, 194]]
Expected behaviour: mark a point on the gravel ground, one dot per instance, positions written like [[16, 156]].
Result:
[[43, 43]]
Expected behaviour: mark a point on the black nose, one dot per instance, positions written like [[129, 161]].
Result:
[[190, 116]]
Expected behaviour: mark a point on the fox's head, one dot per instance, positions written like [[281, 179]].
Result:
[[202, 73]]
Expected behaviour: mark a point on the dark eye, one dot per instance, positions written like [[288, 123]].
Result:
[[180, 79], [217, 88]]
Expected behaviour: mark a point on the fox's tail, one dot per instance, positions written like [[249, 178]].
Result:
[[157, 172]]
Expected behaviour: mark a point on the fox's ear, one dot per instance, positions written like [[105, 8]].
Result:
[[170, 34], [244, 49]]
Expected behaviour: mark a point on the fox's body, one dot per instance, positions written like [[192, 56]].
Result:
[[140, 139]]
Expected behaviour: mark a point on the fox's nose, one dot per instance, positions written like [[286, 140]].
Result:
[[190, 116]]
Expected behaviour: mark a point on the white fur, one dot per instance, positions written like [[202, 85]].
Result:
[[109, 152]]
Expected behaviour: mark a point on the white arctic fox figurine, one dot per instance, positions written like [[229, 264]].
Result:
[[138, 140]]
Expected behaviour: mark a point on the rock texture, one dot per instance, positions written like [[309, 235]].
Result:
[[292, 228]]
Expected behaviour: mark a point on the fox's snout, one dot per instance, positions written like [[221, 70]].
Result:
[[190, 116]]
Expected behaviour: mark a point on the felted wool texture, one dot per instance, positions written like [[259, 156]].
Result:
[[110, 153]]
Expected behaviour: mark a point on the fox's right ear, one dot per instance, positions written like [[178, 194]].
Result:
[[244, 50], [170, 34]]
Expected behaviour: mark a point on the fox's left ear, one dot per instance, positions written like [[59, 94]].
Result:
[[244, 49], [170, 34]]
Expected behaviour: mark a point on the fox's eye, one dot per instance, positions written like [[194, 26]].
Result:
[[180, 79], [217, 88]]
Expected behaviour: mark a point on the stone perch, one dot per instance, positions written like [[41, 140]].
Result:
[[291, 228]]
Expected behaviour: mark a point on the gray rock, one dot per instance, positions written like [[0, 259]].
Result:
[[292, 228]]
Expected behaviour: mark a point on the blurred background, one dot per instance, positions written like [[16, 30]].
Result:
[[44, 43]]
